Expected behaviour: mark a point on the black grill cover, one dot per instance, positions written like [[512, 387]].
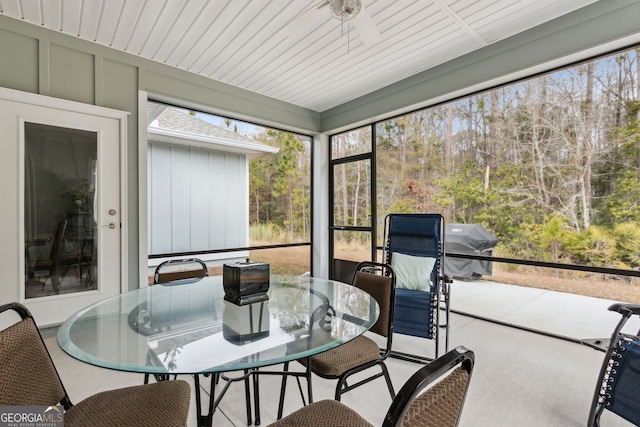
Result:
[[469, 239]]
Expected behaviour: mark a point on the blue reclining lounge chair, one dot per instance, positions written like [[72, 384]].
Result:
[[414, 247]]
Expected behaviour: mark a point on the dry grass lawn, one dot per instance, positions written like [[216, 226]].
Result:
[[579, 283], [295, 260]]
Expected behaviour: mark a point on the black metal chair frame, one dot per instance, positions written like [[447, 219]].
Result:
[[426, 376], [342, 386], [418, 384], [441, 289], [604, 386]]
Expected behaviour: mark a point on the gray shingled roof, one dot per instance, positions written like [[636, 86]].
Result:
[[168, 124], [174, 119]]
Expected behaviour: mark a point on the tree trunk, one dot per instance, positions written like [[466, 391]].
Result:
[[494, 133], [448, 157], [587, 149], [638, 107], [356, 196], [345, 187]]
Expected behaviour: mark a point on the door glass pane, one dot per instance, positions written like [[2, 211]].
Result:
[[352, 194], [59, 199]]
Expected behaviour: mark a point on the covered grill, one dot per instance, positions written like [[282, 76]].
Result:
[[468, 239]]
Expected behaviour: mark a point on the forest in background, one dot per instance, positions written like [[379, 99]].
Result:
[[550, 165], [280, 190]]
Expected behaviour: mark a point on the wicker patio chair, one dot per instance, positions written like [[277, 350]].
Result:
[[432, 397], [30, 378]]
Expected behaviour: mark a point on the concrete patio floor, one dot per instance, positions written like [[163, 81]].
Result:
[[521, 378]]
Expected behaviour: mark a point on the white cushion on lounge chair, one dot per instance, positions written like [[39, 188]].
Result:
[[412, 272]]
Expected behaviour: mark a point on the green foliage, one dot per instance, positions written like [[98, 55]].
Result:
[[622, 204], [633, 106], [505, 212], [279, 186], [629, 135], [553, 231], [594, 246], [545, 241], [402, 206], [463, 192], [267, 233], [617, 247], [627, 238]]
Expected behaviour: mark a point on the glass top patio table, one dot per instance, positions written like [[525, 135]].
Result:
[[188, 327]]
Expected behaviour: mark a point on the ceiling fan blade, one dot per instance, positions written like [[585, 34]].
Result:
[[303, 21], [367, 28]]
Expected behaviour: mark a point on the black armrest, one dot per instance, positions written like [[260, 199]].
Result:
[[624, 308]]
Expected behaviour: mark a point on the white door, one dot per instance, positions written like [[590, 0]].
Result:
[[61, 213]]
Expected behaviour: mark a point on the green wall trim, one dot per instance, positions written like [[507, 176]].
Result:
[[209, 94], [72, 74], [21, 72], [165, 85]]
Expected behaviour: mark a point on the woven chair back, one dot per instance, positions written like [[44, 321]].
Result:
[[28, 374], [380, 287], [440, 405], [173, 276]]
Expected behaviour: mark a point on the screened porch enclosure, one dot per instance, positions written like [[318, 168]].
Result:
[[198, 180]]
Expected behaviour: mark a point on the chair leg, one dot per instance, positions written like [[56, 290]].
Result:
[[341, 383], [304, 402], [387, 377], [247, 396], [256, 398], [448, 315], [55, 282], [204, 420], [309, 388], [283, 386], [283, 389]]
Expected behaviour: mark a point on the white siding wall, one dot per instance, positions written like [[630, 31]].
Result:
[[197, 199]]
